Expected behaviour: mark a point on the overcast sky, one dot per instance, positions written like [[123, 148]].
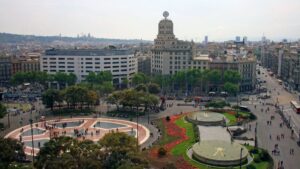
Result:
[[193, 19]]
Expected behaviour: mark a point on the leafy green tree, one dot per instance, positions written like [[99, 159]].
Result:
[[141, 87], [11, 151], [153, 88], [120, 150], [50, 97], [232, 76], [231, 88], [3, 111], [139, 78]]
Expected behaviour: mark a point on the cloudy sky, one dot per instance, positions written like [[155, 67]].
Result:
[[193, 19]]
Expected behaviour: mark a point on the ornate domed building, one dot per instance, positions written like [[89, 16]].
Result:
[[170, 55]]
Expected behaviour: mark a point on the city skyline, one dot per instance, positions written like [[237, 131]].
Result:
[[193, 20]]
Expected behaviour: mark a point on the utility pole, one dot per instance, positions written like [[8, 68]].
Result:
[[30, 120]]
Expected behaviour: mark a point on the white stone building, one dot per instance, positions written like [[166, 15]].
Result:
[[120, 62]]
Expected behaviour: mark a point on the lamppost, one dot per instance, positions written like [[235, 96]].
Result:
[[30, 120], [8, 119], [241, 157], [137, 131]]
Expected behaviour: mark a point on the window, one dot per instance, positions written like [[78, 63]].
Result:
[[89, 67], [70, 66], [97, 58], [89, 63], [106, 63], [61, 62], [116, 66], [123, 65], [106, 58], [115, 70], [71, 63], [44, 58], [115, 62], [70, 58], [88, 58], [106, 67], [52, 58], [61, 58], [115, 58], [97, 63], [61, 66]]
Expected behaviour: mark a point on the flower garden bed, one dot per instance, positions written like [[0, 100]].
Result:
[[177, 137]]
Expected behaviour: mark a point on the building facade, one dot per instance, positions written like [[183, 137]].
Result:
[[28, 63], [5, 69], [170, 55], [144, 62], [246, 66], [120, 62]]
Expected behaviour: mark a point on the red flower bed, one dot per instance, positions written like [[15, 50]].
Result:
[[174, 130], [232, 112]]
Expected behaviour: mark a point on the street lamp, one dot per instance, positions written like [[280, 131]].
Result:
[[30, 120], [241, 157], [137, 131]]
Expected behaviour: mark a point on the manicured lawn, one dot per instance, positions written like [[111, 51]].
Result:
[[232, 119], [181, 149], [20, 106]]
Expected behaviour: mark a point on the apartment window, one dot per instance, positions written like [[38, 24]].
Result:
[[123, 70], [97, 67], [123, 58], [61, 58], [115, 58], [45, 66], [123, 62], [61, 62], [61, 66], [123, 65], [106, 58], [52, 70], [97, 63], [106, 67], [89, 67], [44, 58], [70, 66], [106, 63], [52, 66], [71, 71], [115, 62], [89, 63], [70, 58], [97, 58], [44, 62], [88, 58], [52, 58], [116, 66], [115, 70], [71, 63]]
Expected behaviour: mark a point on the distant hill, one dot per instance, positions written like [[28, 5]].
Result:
[[15, 38]]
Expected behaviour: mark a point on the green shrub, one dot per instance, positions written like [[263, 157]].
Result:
[[217, 104], [253, 150], [264, 155], [251, 166], [168, 118], [256, 159], [162, 152]]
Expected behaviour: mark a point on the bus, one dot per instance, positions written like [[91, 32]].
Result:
[[295, 106]]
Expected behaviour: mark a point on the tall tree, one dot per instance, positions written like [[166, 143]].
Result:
[[50, 97], [11, 150]]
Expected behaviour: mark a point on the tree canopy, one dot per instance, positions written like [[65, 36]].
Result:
[[113, 151], [11, 151]]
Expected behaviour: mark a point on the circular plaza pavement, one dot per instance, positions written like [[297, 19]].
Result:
[[219, 153], [80, 128]]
